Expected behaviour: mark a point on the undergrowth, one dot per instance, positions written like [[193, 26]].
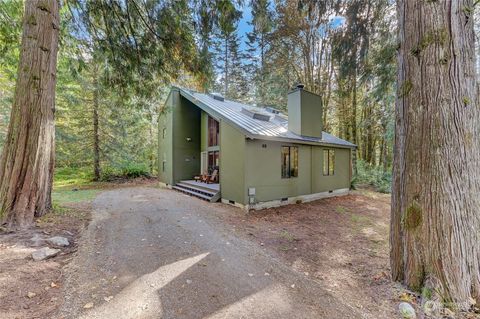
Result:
[[374, 176]]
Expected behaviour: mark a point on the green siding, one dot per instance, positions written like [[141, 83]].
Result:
[[181, 118], [341, 177], [186, 140], [165, 143], [263, 171], [232, 163], [305, 113]]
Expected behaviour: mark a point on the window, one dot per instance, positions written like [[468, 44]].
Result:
[[213, 161], [164, 133], [328, 162], [289, 161], [213, 131]]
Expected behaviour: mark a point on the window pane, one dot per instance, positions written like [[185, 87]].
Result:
[[325, 162], [331, 162], [294, 161], [285, 162], [213, 131]]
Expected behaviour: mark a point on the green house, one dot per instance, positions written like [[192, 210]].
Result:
[[249, 156]]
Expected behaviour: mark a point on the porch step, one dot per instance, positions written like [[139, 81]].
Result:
[[207, 191], [199, 192]]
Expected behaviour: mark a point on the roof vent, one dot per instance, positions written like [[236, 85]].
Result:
[[255, 114], [300, 86], [217, 96], [272, 110]]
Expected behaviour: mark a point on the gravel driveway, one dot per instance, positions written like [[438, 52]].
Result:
[[156, 253]]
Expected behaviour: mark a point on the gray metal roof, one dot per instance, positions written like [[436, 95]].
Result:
[[274, 129]]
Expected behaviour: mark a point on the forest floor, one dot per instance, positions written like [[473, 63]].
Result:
[[33, 289], [340, 243], [192, 259]]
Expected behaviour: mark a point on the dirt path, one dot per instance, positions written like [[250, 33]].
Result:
[[152, 253]]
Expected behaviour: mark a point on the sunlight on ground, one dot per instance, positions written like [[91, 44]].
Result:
[[271, 300], [140, 298]]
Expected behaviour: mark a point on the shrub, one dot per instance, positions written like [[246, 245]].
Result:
[[126, 170], [133, 170], [373, 176]]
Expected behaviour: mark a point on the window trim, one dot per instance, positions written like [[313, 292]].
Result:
[[326, 161]]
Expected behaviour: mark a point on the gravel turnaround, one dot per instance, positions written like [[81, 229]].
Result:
[[157, 253]]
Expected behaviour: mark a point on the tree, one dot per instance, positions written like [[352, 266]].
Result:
[[435, 218], [257, 42], [27, 162], [226, 41]]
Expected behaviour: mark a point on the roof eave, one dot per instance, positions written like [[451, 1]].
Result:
[[296, 141]]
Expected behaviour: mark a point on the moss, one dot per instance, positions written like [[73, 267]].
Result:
[[439, 36], [405, 88], [43, 5], [426, 293], [31, 20], [466, 101], [413, 216], [444, 60], [467, 10], [468, 139]]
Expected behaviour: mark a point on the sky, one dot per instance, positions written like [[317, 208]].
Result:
[[244, 27]]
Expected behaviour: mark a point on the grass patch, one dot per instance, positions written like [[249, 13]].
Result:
[[286, 235], [72, 177], [359, 219], [65, 196], [341, 210]]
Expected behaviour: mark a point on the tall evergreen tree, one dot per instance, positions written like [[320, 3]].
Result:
[[258, 45], [226, 41], [28, 157], [435, 218]]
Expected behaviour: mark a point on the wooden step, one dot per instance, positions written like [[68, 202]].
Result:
[[192, 192], [197, 188]]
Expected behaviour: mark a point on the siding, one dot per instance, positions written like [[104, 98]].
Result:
[[232, 163], [263, 171], [186, 153], [165, 144]]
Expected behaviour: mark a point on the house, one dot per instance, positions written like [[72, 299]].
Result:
[[262, 158]]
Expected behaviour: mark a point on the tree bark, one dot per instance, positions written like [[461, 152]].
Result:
[[27, 162], [435, 218]]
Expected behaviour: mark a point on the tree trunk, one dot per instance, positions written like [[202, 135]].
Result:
[[435, 218], [353, 122], [96, 134], [27, 162]]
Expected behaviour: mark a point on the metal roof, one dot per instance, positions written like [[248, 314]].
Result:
[[274, 129]]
